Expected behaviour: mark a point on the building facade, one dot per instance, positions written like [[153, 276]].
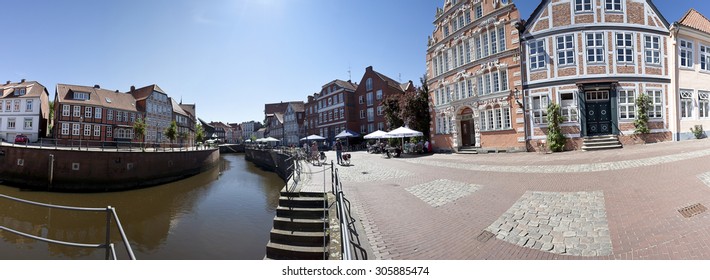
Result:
[[293, 123], [689, 100], [185, 128], [474, 77], [93, 114], [311, 113], [596, 74], [155, 104], [335, 109], [373, 89], [249, 130], [24, 109]]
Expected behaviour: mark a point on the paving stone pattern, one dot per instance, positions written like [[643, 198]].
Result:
[[440, 192], [557, 222], [705, 178], [569, 168], [370, 171]]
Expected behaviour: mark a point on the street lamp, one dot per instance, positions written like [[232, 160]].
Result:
[[516, 95]]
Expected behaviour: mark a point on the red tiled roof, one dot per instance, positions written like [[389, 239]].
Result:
[[33, 89], [144, 92], [696, 20], [97, 97]]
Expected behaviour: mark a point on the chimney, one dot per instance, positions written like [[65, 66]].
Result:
[[8, 82], [23, 80], [369, 68], [116, 91], [133, 88], [97, 86]]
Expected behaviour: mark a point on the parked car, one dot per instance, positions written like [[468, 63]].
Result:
[[21, 139]]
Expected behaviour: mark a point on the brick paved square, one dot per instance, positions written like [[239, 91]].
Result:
[[440, 192], [558, 222], [371, 171]]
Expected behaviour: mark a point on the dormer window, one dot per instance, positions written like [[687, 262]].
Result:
[[81, 95], [20, 91]]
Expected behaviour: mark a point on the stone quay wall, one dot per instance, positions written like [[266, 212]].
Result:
[[98, 171], [271, 160]]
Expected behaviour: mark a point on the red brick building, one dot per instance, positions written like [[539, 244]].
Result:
[[94, 114], [374, 87], [335, 105]]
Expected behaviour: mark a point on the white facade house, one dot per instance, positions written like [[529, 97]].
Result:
[[595, 58], [690, 100], [24, 109], [293, 123]]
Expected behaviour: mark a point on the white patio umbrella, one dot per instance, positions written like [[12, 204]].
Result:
[[375, 135], [312, 137], [403, 132], [347, 133], [270, 139]]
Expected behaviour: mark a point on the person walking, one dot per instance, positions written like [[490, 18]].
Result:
[[338, 150]]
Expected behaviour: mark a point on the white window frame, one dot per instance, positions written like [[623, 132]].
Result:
[[595, 49], [570, 111], [16, 104], [98, 112], [478, 11], [537, 55], [28, 105], [565, 50], [26, 122], [704, 58], [685, 53], [88, 112], [75, 129], [627, 104], [87, 130], [77, 111], [652, 49], [703, 104], [583, 6], [686, 103], [65, 129], [625, 46], [656, 108], [538, 108], [97, 130], [614, 5]]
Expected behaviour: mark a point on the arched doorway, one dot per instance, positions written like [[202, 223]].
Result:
[[468, 135]]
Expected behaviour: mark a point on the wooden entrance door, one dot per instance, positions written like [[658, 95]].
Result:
[[598, 113], [466, 132]]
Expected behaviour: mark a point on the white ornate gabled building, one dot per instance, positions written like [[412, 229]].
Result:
[[594, 58], [473, 74]]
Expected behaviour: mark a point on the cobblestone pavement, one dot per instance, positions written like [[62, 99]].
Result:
[[439, 192], [620, 204], [562, 223]]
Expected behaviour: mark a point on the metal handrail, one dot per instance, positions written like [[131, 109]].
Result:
[[350, 239], [110, 213], [47, 143]]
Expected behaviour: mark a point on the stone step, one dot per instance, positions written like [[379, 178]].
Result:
[[299, 238], [303, 202], [301, 213], [278, 251], [594, 148], [302, 194], [310, 225], [601, 143]]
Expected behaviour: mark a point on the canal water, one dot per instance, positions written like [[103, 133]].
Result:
[[224, 213]]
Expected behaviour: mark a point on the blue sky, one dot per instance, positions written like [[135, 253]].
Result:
[[230, 57]]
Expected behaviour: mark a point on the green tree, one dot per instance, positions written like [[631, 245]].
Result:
[[199, 133], [555, 139], [392, 111], [415, 109], [50, 126], [643, 102], [139, 131], [171, 132]]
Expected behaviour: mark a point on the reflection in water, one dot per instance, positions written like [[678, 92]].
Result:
[[224, 213]]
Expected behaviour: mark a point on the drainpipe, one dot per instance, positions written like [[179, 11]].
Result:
[[520, 26], [676, 120]]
